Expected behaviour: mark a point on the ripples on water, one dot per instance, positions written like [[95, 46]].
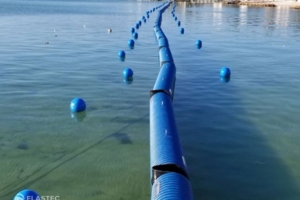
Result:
[[241, 139]]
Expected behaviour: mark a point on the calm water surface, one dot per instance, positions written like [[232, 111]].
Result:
[[241, 138]]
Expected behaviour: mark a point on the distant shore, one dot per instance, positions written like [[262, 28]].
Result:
[[295, 5]]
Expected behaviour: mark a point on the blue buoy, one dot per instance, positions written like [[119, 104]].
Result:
[[175, 18], [182, 30], [147, 16], [27, 194], [178, 23], [225, 72], [140, 23], [122, 54], [143, 17], [130, 43], [135, 35], [77, 105], [199, 44], [127, 73], [150, 11], [144, 20], [137, 26], [132, 30]]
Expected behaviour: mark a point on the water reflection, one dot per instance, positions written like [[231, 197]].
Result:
[[217, 14], [128, 80], [224, 79], [79, 117]]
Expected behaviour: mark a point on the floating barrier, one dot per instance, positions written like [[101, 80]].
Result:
[[172, 186], [169, 175], [163, 42], [165, 55]]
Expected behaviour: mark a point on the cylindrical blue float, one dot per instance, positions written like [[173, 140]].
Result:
[[132, 30], [178, 23], [163, 42], [165, 55], [175, 18], [130, 43], [137, 26], [225, 72], [182, 30], [77, 105], [140, 23], [144, 20], [127, 73], [166, 78], [135, 35], [172, 186], [199, 44], [165, 144]]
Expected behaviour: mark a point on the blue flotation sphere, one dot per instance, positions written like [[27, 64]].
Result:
[[144, 20], [182, 30], [77, 105], [147, 16], [130, 43], [143, 17], [135, 35], [122, 54], [225, 72], [175, 18], [137, 26], [127, 73], [132, 30], [178, 23], [199, 44], [140, 23], [27, 194]]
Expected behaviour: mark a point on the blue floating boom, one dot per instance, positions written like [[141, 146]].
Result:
[[172, 186], [169, 175], [163, 42], [165, 55]]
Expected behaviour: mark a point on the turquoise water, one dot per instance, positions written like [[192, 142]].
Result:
[[241, 138]]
